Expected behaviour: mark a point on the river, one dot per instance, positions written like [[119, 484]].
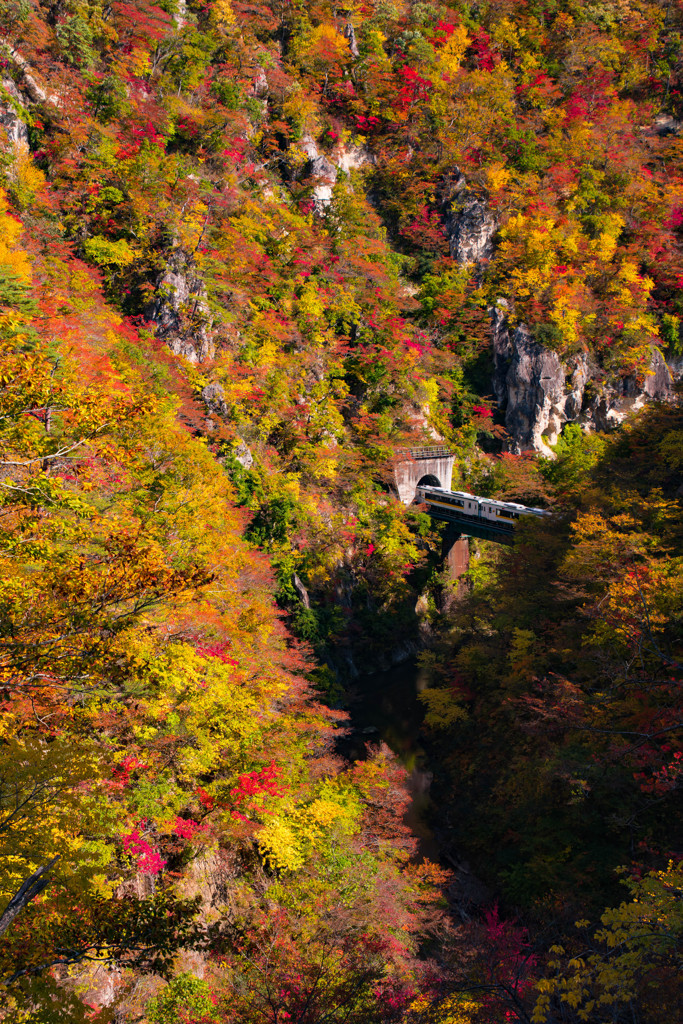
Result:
[[384, 707]]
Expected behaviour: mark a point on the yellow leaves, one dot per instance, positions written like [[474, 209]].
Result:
[[309, 305], [450, 1010], [449, 56], [632, 289], [374, 43], [630, 274], [223, 16], [324, 812], [578, 281], [328, 42], [506, 35], [497, 177], [568, 318], [26, 179], [42, 806], [636, 584], [531, 250], [300, 110], [605, 245], [597, 544], [107, 253], [638, 939], [279, 847], [443, 708], [12, 258], [328, 46], [137, 63], [297, 830], [191, 225]]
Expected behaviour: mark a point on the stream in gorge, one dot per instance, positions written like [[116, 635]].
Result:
[[384, 708]]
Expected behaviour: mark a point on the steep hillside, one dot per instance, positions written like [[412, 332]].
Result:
[[161, 756], [329, 214], [248, 251]]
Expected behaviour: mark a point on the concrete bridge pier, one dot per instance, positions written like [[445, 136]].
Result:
[[455, 552]]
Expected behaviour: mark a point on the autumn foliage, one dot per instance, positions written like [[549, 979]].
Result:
[[230, 290]]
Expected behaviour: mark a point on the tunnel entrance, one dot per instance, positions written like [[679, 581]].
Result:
[[429, 481]]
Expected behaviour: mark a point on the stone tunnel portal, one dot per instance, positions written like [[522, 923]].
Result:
[[414, 466]]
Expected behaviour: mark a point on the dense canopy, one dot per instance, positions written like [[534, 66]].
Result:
[[249, 252]]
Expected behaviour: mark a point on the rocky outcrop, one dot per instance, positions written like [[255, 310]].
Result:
[[529, 382], [619, 398], [180, 15], [470, 224], [213, 397], [324, 170], [25, 72], [260, 88], [321, 170], [181, 313], [302, 592], [350, 36], [11, 104], [662, 126], [243, 455], [540, 393]]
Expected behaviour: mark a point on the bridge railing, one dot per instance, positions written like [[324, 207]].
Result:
[[441, 451]]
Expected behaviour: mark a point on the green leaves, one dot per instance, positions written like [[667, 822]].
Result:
[[185, 997], [107, 253]]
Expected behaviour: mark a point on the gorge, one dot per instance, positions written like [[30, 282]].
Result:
[[280, 744]]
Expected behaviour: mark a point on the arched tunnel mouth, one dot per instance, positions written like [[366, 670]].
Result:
[[429, 481]]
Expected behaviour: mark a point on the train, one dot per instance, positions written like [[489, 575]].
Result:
[[459, 503]]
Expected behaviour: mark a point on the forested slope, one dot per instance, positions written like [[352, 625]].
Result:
[[248, 252]]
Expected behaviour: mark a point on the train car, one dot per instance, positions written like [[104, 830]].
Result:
[[504, 514], [455, 501]]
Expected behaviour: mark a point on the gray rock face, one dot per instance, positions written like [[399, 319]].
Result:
[[321, 170], [470, 224], [662, 126], [213, 396], [243, 455], [324, 170], [502, 351], [534, 390], [540, 393], [28, 82], [180, 16], [260, 88], [350, 36], [619, 398], [301, 591], [658, 383], [14, 127], [181, 312]]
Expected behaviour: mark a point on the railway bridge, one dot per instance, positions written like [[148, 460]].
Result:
[[433, 466]]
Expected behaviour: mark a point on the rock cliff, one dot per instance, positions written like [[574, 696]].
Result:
[[540, 393], [11, 104], [470, 224], [181, 313], [324, 170]]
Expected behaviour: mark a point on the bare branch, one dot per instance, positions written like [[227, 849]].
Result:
[[31, 888]]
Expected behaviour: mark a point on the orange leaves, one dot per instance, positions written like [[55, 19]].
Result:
[[13, 260]]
